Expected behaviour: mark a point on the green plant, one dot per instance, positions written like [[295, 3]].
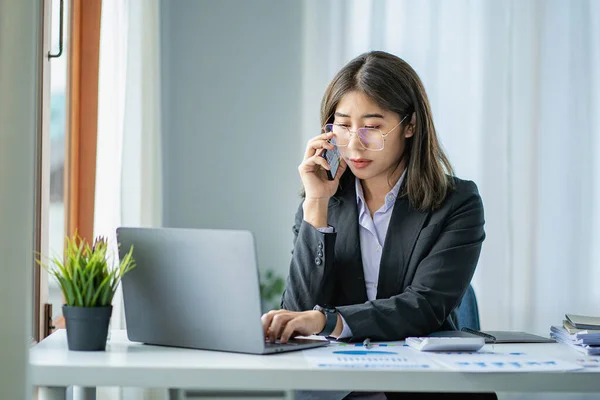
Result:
[[271, 286], [87, 277]]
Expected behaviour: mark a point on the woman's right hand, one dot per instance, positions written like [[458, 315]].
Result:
[[312, 170]]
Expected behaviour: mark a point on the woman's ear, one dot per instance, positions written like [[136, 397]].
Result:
[[410, 131]]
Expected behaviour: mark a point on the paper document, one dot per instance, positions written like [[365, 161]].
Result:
[[492, 363], [582, 337], [373, 345], [586, 343], [589, 363], [586, 349], [379, 356]]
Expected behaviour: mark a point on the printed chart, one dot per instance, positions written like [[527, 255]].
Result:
[[487, 361], [377, 356], [396, 355]]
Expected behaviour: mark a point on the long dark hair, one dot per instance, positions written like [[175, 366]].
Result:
[[394, 85]]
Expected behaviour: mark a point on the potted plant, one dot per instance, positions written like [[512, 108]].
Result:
[[88, 279]]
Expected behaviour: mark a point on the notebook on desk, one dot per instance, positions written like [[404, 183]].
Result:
[[583, 321], [497, 336]]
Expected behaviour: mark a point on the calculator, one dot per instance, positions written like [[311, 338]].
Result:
[[427, 343]]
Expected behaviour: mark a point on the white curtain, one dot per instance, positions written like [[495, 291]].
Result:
[[515, 91], [129, 167]]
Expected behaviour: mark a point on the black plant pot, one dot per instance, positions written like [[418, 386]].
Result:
[[87, 327]]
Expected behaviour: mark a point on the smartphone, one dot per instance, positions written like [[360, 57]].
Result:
[[333, 157]]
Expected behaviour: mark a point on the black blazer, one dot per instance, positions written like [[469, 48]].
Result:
[[427, 262]]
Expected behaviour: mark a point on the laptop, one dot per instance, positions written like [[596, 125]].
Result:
[[196, 288]]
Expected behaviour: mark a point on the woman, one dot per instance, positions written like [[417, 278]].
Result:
[[387, 249]]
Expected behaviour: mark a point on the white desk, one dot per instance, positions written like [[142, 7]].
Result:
[[129, 364]]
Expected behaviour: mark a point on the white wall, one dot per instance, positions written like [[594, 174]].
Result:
[[232, 116], [18, 123]]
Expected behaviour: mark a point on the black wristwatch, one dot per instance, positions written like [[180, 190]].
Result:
[[331, 317]]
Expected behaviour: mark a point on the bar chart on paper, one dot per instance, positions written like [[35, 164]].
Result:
[[377, 356], [509, 365], [489, 361]]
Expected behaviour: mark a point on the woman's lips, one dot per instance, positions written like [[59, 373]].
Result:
[[360, 162]]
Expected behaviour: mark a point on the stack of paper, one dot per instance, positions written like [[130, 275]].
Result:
[[586, 341]]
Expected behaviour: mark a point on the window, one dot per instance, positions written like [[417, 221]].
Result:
[[58, 149]]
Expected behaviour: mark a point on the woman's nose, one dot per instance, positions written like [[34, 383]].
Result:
[[354, 142]]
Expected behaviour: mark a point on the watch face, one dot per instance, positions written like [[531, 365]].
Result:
[[325, 309]]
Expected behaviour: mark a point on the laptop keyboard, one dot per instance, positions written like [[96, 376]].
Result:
[[277, 343]]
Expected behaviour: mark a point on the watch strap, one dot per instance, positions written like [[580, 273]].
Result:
[[330, 319]]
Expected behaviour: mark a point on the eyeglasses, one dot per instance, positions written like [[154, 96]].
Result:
[[369, 138]]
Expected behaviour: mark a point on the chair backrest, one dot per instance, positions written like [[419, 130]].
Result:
[[468, 312]]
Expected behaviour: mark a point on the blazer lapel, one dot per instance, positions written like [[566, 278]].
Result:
[[405, 225], [344, 216]]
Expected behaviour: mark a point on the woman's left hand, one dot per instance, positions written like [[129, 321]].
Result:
[[284, 324]]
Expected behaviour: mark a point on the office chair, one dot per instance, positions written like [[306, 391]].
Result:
[[467, 311]]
